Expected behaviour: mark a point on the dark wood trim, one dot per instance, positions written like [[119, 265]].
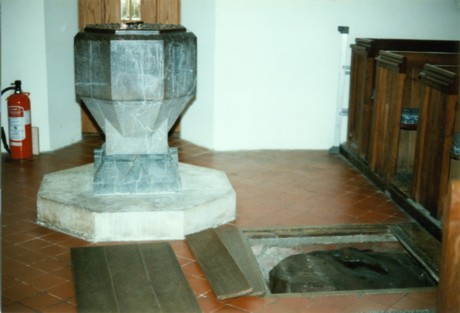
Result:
[[418, 213]]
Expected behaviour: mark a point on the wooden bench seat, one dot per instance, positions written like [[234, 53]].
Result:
[[362, 83], [435, 137], [397, 86]]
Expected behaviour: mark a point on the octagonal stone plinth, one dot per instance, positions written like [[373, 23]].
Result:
[[65, 202]]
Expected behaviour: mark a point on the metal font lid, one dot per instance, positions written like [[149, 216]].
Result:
[[134, 28]]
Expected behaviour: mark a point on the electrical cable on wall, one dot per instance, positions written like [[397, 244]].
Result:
[[344, 69]]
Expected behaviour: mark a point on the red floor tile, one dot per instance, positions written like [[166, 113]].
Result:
[[274, 188]]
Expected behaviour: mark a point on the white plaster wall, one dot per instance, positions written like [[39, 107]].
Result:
[[37, 48], [197, 124], [24, 57], [61, 25], [275, 64], [267, 73]]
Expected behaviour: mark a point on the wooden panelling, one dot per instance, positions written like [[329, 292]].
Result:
[[449, 287], [90, 12], [160, 11], [149, 11], [168, 11], [363, 78], [434, 138], [397, 87], [410, 158], [357, 102], [111, 11], [385, 121]]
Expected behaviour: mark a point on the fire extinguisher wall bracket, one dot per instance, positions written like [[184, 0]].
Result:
[[19, 123]]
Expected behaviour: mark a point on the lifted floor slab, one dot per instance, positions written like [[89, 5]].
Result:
[[66, 202]]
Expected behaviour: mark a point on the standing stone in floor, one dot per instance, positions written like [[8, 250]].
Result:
[[347, 269]]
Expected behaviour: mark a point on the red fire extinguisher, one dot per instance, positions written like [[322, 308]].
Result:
[[19, 123]]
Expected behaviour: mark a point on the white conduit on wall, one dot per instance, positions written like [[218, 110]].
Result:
[[343, 71]]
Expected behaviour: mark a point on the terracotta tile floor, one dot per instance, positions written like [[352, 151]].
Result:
[[273, 188]]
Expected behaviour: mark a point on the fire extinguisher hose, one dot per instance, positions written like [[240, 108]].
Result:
[[4, 141]]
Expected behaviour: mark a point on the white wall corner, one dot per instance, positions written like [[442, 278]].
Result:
[[276, 64], [24, 58], [197, 124], [61, 26]]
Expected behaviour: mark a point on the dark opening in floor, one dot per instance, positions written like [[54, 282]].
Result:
[[345, 258], [347, 269]]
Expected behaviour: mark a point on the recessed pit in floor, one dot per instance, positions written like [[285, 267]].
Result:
[[345, 259]]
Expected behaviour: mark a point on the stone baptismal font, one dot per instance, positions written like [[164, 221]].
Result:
[[136, 80]]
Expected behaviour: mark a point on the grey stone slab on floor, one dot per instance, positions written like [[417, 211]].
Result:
[[131, 278]]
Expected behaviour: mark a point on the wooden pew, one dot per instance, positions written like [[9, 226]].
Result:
[[435, 134], [362, 83], [449, 278], [397, 88]]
